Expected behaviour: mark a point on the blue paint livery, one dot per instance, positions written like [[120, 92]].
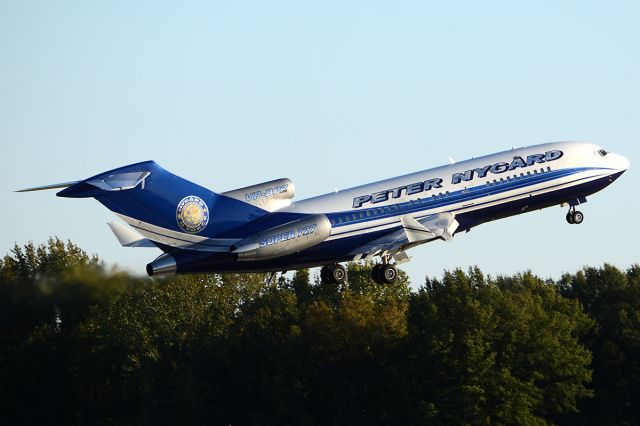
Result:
[[198, 228]]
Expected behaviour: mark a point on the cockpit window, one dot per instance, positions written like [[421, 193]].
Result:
[[601, 152]]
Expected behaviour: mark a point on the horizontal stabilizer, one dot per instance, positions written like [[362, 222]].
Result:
[[122, 179], [128, 237], [45, 187], [112, 182]]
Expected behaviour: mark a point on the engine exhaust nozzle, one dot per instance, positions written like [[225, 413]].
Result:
[[165, 264]]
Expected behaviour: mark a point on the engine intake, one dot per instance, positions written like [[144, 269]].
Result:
[[270, 196]]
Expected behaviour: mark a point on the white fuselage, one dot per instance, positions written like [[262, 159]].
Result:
[[578, 164]]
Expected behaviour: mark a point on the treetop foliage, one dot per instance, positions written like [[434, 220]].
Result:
[[83, 344]]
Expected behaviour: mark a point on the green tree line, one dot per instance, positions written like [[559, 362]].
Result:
[[81, 343]]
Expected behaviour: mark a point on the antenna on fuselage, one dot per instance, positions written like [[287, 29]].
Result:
[[451, 160]]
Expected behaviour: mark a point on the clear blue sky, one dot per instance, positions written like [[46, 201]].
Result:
[[331, 95]]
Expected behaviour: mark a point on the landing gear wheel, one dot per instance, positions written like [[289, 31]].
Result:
[[376, 273], [324, 274], [338, 274], [570, 218], [334, 274], [574, 216], [577, 217], [384, 273], [389, 274]]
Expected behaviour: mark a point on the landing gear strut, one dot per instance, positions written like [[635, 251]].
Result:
[[384, 273], [574, 216], [335, 273]]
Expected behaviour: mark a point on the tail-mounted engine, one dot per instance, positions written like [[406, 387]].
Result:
[[269, 196], [284, 239]]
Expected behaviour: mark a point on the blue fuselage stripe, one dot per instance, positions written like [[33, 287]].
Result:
[[345, 218], [459, 197]]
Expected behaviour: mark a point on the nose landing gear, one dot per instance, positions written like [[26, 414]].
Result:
[[574, 216]]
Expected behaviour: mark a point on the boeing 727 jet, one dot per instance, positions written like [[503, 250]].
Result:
[[261, 229]]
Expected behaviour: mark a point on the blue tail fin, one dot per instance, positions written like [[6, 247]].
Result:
[[148, 193]]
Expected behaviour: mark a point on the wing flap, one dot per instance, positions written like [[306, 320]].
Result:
[[415, 231], [411, 233], [443, 225]]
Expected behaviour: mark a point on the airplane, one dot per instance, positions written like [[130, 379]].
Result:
[[261, 229]]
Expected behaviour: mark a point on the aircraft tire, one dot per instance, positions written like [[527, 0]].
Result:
[[577, 217], [376, 274], [569, 218], [389, 274], [338, 274], [324, 273]]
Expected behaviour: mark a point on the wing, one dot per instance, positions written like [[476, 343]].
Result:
[[413, 232]]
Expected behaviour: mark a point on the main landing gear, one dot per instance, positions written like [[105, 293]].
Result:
[[335, 273], [574, 216], [384, 273]]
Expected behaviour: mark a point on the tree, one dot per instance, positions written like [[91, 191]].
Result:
[[351, 353], [160, 356], [302, 286], [494, 351], [46, 292], [81, 343], [612, 298]]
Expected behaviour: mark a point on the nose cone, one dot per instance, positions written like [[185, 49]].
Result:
[[618, 162]]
